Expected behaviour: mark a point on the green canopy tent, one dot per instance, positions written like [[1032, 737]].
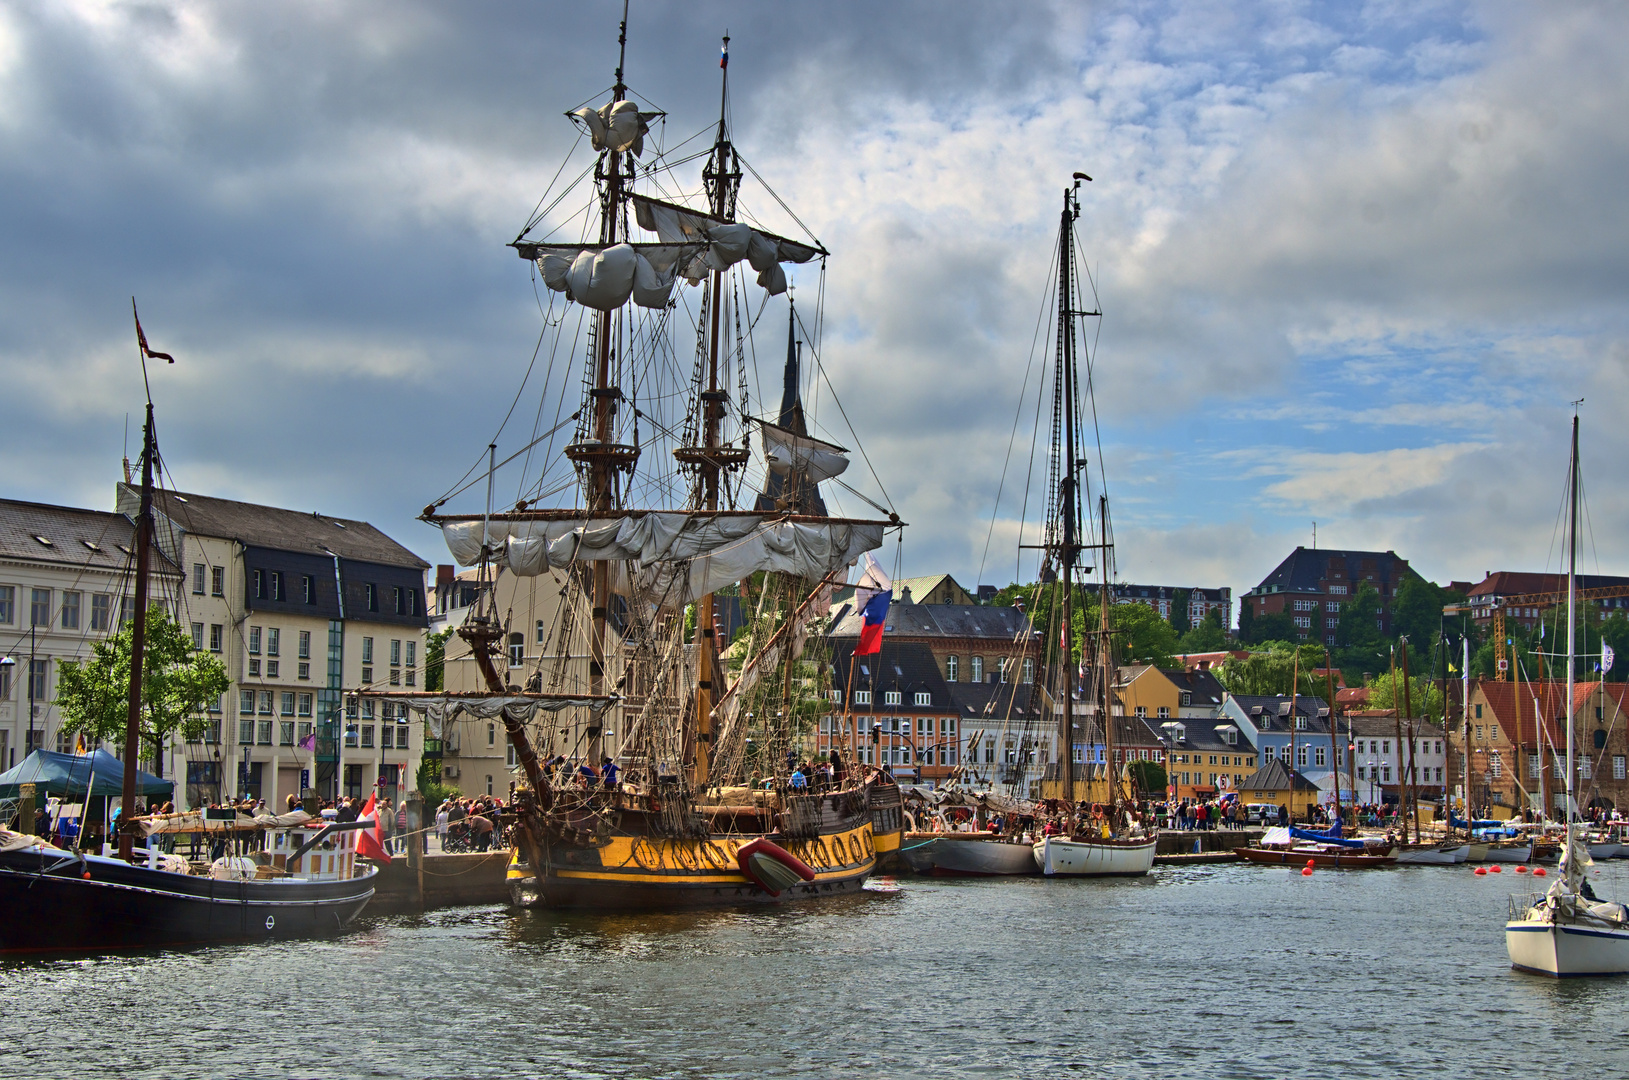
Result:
[[67, 775]]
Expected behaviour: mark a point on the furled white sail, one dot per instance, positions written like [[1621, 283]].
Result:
[[728, 242], [605, 276], [619, 126], [681, 555], [815, 459]]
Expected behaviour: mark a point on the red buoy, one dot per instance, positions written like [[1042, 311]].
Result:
[[1521, 869], [1538, 871], [1495, 868], [1306, 871], [1481, 871], [1311, 863]]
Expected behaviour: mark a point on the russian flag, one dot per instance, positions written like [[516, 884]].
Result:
[[874, 593]]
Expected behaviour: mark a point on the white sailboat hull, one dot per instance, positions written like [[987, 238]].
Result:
[[1519, 854], [1084, 858], [954, 856], [1434, 856], [1560, 950], [1605, 851]]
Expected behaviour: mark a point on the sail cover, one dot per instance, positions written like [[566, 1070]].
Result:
[[702, 551], [438, 710], [786, 451], [619, 126], [727, 242], [604, 276]]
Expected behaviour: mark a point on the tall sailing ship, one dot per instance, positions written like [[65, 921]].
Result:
[[649, 525]]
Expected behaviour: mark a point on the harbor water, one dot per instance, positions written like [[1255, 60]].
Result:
[[1205, 971]]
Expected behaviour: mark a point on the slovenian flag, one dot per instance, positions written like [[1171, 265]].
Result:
[[873, 594]]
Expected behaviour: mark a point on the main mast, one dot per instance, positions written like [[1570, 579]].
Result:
[[1572, 600], [722, 178], [1069, 509], [138, 638]]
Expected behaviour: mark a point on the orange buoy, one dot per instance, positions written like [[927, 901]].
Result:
[[1538, 871], [1495, 868], [1521, 869], [1311, 863], [1306, 871], [1481, 871], [86, 875]]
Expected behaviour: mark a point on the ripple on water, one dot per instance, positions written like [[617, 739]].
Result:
[[1215, 971]]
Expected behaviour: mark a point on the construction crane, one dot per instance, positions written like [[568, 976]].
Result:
[[1550, 598]]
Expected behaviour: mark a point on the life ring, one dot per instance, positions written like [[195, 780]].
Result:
[[685, 856], [870, 845], [822, 854], [714, 855], [855, 851], [646, 854]]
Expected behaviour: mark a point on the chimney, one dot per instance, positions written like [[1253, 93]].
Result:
[[444, 575], [905, 594]]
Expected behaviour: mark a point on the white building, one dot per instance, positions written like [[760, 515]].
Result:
[[66, 577], [300, 608]]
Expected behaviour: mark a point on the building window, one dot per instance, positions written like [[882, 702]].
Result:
[[1029, 670], [305, 704], [395, 676], [370, 594], [1493, 732], [246, 732], [197, 635], [272, 669], [8, 604], [1385, 774], [39, 607], [277, 586], [264, 731], [891, 697], [1165, 712], [1318, 756], [215, 632], [264, 700], [285, 733], [101, 609], [923, 697], [197, 579], [862, 697], [1584, 767], [246, 701], [412, 601], [396, 649], [367, 676], [70, 610], [1496, 767], [305, 670], [288, 704], [412, 653], [1618, 767], [274, 641], [254, 641], [37, 688], [1301, 756], [254, 666], [217, 581], [396, 598], [305, 644], [542, 633], [1534, 767], [1479, 712], [367, 650], [308, 586], [367, 735], [976, 669], [951, 664]]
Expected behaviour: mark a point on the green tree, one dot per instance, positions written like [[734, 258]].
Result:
[[1179, 612], [1276, 626], [1272, 671], [1147, 777], [1416, 613], [1209, 636], [178, 684], [435, 660], [1425, 696], [1143, 636]]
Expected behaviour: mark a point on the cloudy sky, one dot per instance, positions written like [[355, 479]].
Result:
[[1354, 259]]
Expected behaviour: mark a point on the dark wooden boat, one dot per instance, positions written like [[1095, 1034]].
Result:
[[1337, 858]]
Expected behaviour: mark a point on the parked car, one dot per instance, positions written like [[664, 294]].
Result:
[[1257, 813]]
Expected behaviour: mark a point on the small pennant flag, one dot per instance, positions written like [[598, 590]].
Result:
[[1608, 657], [724, 54], [141, 339]]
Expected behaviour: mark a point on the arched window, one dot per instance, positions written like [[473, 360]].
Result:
[[977, 669], [517, 650], [1029, 669]]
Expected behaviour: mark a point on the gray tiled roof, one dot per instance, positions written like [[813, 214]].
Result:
[[282, 530], [93, 539], [1275, 776], [1304, 568], [1270, 720], [941, 620]]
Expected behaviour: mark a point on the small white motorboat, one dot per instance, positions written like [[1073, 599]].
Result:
[[979, 854]]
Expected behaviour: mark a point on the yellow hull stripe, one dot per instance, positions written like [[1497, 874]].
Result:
[[661, 861]]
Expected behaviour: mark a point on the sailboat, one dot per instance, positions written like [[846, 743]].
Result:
[[698, 797], [305, 880], [1567, 930], [1101, 843]]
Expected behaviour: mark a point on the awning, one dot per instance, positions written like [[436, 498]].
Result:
[[68, 774]]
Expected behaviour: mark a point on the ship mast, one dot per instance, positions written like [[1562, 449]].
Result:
[[722, 178], [138, 635], [1069, 511]]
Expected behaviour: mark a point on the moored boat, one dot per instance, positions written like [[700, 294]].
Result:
[[1107, 857], [1519, 852], [983, 854], [1318, 855], [1445, 854]]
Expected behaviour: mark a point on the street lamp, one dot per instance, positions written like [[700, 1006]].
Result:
[[1171, 728]]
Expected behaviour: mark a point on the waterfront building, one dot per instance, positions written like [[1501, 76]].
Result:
[[1173, 600], [546, 648], [970, 643], [895, 709], [300, 608], [1518, 746], [1159, 694], [67, 579], [1382, 760], [1278, 785], [1299, 738], [1312, 583]]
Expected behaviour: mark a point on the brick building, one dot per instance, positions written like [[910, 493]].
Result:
[[1166, 599], [1312, 583]]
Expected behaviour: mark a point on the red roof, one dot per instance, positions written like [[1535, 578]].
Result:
[[1512, 703]]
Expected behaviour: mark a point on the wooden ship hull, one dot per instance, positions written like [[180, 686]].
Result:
[[646, 872], [1343, 860]]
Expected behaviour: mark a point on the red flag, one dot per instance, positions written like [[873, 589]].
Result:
[[371, 842], [141, 338]]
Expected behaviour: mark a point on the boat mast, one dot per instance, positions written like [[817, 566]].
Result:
[[1066, 555], [1334, 750], [1465, 694], [138, 640], [1572, 599], [722, 178]]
